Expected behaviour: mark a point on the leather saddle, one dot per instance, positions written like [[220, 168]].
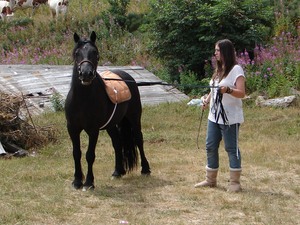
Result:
[[116, 88]]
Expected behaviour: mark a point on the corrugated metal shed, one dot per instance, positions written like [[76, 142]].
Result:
[[39, 82]]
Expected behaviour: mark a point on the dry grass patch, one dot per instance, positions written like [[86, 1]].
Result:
[[37, 190]]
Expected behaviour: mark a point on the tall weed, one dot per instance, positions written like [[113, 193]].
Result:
[[275, 68]]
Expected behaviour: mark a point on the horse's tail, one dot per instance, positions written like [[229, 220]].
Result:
[[130, 154]]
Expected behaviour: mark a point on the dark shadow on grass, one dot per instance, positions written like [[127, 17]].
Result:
[[130, 187]]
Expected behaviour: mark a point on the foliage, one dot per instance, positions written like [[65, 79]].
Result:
[[191, 85], [117, 14], [184, 32], [287, 16], [275, 68], [53, 39], [118, 9], [57, 102], [18, 45]]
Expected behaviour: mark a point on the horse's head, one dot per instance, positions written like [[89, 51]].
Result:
[[86, 57]]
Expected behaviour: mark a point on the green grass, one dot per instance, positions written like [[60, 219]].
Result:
[[37, 190]]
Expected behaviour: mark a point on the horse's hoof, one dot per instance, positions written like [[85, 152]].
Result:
[[76, 185], [118, 175], [146, 173], [114, 177], [88, 188]]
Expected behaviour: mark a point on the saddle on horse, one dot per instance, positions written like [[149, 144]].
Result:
[[116, 89]]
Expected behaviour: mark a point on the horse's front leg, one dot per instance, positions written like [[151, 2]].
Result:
[[90, 158], [78, 175]]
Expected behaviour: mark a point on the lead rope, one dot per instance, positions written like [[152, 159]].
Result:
[[219, 109], [113, 113], [198, 134], [237, 140]]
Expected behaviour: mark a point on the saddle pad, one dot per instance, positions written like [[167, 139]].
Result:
[[116, 89]]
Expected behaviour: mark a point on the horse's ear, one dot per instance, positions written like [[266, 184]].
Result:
[[76, 37], [93, 37]]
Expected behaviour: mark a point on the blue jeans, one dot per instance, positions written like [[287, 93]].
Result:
[[215, 133]]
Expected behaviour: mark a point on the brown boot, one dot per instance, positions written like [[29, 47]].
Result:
[[235, 185], [211, 178]]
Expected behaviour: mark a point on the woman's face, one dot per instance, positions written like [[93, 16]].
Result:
[[217, 53]]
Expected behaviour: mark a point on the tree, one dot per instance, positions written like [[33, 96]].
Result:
[[184, 31], [118, 9]]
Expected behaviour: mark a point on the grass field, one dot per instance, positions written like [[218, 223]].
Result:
[[37, 189]]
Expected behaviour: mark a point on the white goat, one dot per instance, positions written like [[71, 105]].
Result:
[[6, 9], [58, 7]]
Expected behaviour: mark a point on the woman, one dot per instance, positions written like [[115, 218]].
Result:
[[225, 115]]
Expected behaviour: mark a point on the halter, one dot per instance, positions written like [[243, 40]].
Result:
[[90, 62]]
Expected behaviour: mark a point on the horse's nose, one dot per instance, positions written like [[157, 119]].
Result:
[[87, 71], [86, 76], [91, 73]]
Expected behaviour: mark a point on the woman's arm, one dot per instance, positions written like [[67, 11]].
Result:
[[239, 91], [205, 99]]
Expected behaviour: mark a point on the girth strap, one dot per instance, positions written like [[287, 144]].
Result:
[[110, 118]]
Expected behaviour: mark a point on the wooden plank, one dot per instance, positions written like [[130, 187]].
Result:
[[45, 79]]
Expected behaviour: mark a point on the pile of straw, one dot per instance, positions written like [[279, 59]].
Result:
[[16, 124]]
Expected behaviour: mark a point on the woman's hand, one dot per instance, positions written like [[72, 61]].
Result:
[[223, 89], [205, 101], [238, 91]]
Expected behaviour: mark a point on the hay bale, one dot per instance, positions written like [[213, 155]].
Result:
[[16, 124]]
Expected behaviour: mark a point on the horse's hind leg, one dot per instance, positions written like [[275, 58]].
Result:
[[140, 143], [114, 134]]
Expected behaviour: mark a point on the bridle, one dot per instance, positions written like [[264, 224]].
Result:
[[90, 62]]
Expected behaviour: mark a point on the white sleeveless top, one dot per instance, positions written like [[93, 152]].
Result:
[[233, 106]]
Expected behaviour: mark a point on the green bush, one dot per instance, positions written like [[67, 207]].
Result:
[[191, 85], [184, 32], [57, 102]]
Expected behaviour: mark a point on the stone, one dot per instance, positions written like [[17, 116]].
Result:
[[276, 102]]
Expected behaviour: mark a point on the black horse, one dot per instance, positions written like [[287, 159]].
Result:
[[89, 108]]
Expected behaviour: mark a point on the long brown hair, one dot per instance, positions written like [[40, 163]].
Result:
[[227, 59]]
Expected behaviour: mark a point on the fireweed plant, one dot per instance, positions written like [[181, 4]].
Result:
[[30, 56], [275, 69]]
